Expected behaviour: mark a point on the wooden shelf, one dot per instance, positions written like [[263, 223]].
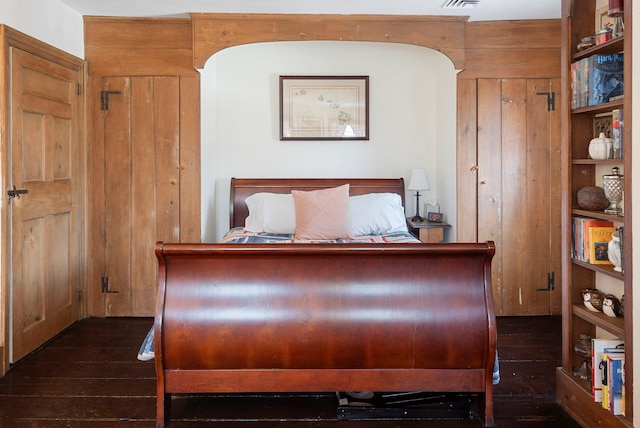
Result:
[[600, 108], [597, 161], [612, 46], [573, 394], [600, 215], [605, 269], [614, 326]]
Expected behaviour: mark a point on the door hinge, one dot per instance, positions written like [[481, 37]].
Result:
[[551, 100], [551, 282], [104, 99], [79, 295], [105, 285], [79, 89]]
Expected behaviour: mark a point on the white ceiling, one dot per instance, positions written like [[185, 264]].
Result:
[[484, 10]]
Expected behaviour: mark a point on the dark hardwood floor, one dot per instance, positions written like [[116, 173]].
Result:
[[88, 376]]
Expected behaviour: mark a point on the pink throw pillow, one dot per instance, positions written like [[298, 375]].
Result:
[[322, 214]]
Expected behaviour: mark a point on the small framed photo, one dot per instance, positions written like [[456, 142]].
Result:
[[603, 20], [324, 107], [434, 217]]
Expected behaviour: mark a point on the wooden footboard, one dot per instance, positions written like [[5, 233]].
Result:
[[294, 318]]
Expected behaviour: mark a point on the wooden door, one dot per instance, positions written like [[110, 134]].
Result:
[[44, 222], [145, 177], [518, 191]]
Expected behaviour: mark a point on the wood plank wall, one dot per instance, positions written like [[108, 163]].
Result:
[[496, 50], [176, 47], [154, 161]]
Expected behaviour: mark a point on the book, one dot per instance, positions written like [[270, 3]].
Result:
[[587, 224], [574, 85], [599, 238], [580, 235], [623, 399], [580, 83], [614, 381], [606, 77], [621, 133], [606, 373], [597, 348], [616, 133]]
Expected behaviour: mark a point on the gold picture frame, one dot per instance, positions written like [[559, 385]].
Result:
[[324, 107]]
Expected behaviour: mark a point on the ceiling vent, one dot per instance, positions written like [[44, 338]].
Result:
[[460, 4]]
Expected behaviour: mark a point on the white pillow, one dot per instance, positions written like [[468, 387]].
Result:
[[271, 213], [377, 214], [370, 214]]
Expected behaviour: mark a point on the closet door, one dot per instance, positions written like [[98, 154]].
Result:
[[517, 191], [145, 177]]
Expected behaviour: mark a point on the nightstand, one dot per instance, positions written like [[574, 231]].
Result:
[[427, 231]]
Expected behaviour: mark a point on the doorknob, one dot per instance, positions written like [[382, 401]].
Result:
[[15, 193]]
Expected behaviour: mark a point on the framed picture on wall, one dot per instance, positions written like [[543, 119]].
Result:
[[324, 107]]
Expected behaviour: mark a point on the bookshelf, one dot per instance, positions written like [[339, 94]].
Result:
[[579, 19]]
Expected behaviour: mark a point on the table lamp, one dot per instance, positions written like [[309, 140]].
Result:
[[418, 182]]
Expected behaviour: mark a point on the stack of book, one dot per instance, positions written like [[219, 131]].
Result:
[[607, 376], [591, 239], [597, 79]]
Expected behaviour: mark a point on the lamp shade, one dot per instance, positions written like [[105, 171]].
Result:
[[418, 180]]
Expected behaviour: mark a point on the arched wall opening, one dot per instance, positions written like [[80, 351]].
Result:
[[412, 118]]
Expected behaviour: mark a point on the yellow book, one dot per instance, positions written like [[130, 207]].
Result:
[[599, 238], [605, 380]]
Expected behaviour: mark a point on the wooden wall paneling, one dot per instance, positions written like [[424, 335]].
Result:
[[167, 132], [532, 230], [512, 63], [519, 159], [467, 161], [190, 226], [142, 199], [555, 196], [158, 47], [143, 265], [118, 203], [490, 180], [93, 303], [214, 32], [512, 49], [139, 46], [516, 217]]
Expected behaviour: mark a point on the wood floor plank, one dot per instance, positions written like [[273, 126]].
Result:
[[88, 376]]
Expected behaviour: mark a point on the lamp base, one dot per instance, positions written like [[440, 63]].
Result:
[[417, 219]]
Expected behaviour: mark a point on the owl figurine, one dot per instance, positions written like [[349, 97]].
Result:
[[611, 305], [592, 299]]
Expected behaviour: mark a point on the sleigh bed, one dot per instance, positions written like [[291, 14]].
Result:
[[323, 316]]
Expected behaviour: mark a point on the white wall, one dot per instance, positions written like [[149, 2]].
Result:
[[50, 21], [412, 120]]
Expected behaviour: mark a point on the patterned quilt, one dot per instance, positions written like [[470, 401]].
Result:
[[240, 236]]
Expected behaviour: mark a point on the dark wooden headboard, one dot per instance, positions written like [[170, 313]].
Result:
[[242, 188]]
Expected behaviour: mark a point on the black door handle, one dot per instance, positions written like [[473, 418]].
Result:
[[15, 193]]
